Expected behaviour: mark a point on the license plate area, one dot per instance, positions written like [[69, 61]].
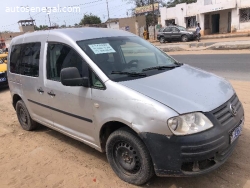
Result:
[[236, 132], [2, 79]]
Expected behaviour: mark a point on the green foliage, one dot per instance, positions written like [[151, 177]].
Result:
[[41, 27], [173, 3], [90, 19]]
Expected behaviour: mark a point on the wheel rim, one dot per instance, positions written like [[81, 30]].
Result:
[[23, 115], [162, 40], [126, 157], [184, 38]]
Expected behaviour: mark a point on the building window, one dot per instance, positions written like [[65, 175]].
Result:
[[207, 21], [170, 22], [245, 15], [191, 22]]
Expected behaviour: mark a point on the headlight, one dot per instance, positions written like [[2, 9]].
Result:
[[189, 123]]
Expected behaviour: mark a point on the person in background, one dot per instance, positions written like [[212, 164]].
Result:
[[198, 32]]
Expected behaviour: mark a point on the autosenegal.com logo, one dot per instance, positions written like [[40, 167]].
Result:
[[47, 10]]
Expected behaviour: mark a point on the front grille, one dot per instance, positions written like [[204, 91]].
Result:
[[223, 113]]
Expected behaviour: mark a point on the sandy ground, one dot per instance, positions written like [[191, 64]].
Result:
[[46, 158]]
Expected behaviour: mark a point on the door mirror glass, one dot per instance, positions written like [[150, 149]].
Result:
[[71, 77]]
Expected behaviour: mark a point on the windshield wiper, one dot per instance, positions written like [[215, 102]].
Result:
[[160, 67], [133, 74]]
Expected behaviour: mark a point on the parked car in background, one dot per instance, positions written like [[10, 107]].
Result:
[[175, 33], [3, 69]]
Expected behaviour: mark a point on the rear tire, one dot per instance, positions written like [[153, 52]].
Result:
[[24, 117], [184, 38], [129, 157], [162, 40]]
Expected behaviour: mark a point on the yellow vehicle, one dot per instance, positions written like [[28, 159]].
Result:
[[3, 69]]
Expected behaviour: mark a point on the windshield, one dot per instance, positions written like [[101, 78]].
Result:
[[181, 28], [125, 58]]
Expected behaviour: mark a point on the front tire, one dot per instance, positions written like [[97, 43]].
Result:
[[184, 38], [129, 157], [162, 40], [24, 117]]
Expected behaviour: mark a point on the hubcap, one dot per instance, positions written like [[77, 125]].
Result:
[[23, 116], [127, 158]]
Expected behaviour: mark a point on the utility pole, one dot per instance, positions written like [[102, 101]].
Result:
[[108, 10], [65, 23], [49, 18]]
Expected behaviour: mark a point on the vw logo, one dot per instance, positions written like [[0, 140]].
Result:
[[233, 110]]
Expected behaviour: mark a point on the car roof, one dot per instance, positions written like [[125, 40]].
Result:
[[77, 34]]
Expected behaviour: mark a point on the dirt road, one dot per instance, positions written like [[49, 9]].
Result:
[[46, 158]]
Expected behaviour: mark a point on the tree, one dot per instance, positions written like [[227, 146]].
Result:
[[173, 3], [41, 27], [90, 19]]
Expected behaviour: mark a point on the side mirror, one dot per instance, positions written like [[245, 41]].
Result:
[[71, 77]]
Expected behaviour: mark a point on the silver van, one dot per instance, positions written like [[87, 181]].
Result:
[[121, 95]]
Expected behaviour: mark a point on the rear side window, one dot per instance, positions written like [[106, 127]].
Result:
[[25, 58], [61, 56], [15, 59]]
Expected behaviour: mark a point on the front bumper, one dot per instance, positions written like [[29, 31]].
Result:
[[3, 79], [193, 154]]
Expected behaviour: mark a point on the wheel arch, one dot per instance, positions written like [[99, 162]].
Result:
[[15, 99], [107, 129]]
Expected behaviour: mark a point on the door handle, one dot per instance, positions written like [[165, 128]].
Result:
[[51, 93], [40, 90]]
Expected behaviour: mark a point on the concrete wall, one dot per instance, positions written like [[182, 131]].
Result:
[[113, 25], [6, 36], [199, 9], [25, 29], [134, 23], [224, 21]]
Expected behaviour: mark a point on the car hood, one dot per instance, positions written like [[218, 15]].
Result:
[[184, 89]]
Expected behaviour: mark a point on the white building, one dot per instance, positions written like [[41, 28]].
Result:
[[113, 23], [214, 16]]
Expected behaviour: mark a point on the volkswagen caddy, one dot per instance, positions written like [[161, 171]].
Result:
[[123, 96]]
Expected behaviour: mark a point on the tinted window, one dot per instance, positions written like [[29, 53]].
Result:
[[15, 59], [168, 29], [61, 56], [30, 59], [25, 59], [175, 29]]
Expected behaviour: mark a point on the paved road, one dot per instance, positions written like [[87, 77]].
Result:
[[229, 66]]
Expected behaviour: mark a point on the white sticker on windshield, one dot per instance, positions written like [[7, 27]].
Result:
[[102, 48]]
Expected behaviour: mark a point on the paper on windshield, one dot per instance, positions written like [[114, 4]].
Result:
[[102, 48]]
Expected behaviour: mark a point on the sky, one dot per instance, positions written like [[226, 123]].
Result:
[[117, 9]]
